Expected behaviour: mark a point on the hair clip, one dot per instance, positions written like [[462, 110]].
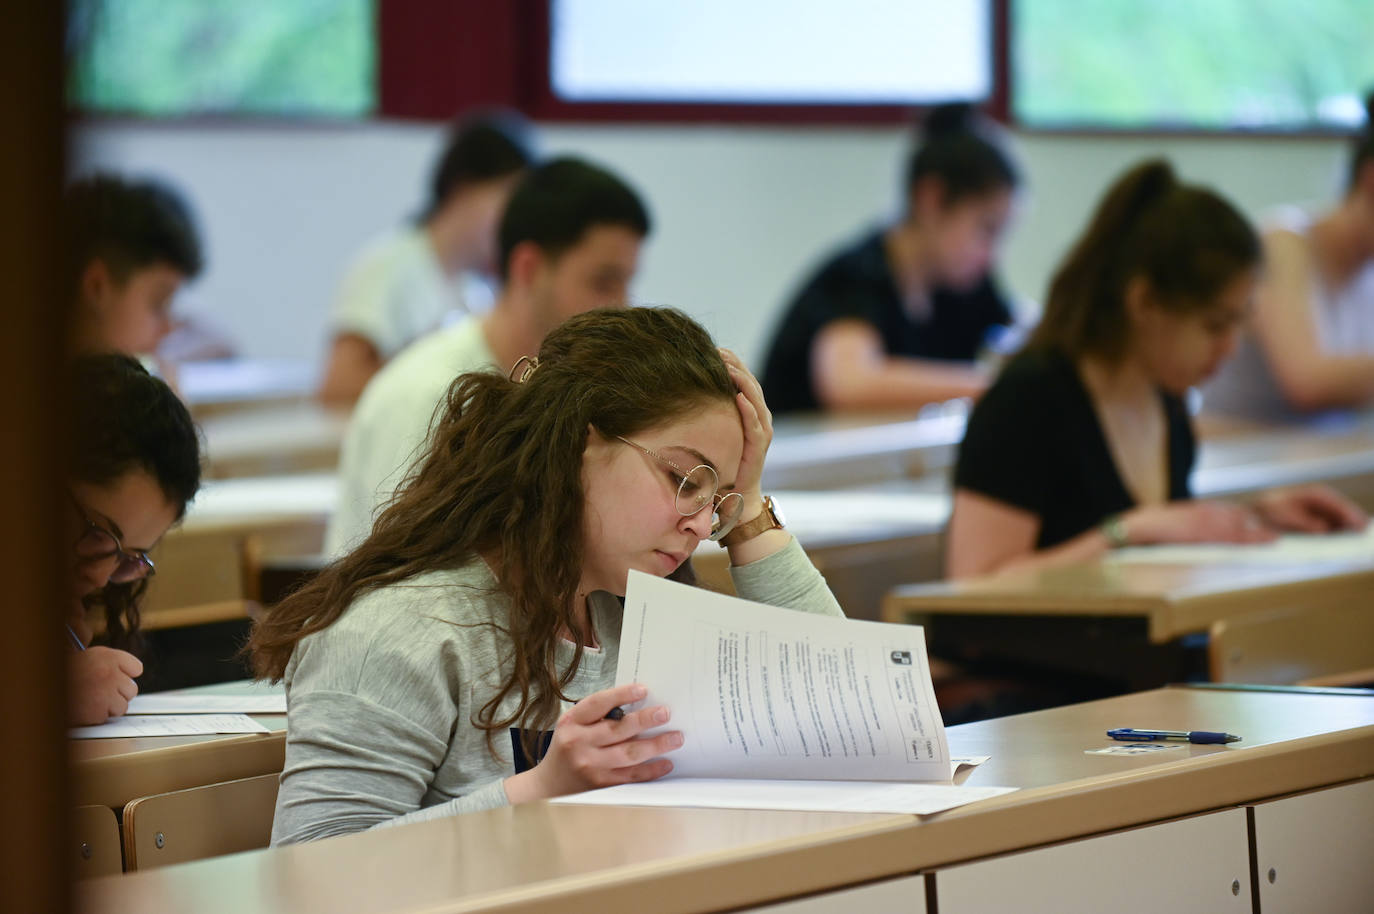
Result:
[[520, 375]]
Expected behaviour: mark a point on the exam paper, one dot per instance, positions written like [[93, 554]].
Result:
[[806, 796], [208, 704], [764, 692], [1293, 548], [170, 725]]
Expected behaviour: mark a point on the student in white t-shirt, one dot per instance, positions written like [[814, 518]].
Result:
[[1310, 345], [407, 283], [569, 242]]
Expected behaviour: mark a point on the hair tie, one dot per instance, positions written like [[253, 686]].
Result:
[[520, 375]]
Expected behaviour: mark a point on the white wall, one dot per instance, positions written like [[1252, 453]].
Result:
[[739, 214]]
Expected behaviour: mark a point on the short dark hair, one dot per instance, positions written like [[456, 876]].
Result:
[[1187, 242], [964, 151], [128, 225], [121, 419], [1362, 152], [557, 202], [482, 147]]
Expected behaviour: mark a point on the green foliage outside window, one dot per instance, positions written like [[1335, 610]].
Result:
[[257, 57], [1211, 64]]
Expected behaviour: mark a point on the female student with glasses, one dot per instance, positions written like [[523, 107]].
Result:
[[425, 669], [135, 465]]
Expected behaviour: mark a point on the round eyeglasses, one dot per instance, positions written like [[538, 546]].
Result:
[[697, 488], [97, 543]]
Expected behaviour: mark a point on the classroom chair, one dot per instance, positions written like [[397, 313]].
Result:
[[200, 822], [95, 836], [1329, 646]]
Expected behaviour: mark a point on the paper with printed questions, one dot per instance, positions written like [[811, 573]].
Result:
[[764, 692]]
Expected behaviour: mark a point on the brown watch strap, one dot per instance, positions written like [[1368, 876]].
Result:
[[743, 533]]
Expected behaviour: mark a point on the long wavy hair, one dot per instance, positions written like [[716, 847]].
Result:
[[1187, 242], [122, 420], [502, 476]]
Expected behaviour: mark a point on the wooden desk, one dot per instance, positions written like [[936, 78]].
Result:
[[112, 772], [840, 452], [543, 858], [1245, 463], [1173, 599], [285, 438], [218, 386]]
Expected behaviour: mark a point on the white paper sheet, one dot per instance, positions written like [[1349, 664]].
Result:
[[170, 725], [764, 692], [1291, 549], [806, 796], [156, 703]]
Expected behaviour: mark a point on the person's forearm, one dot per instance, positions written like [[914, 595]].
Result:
[[903, 384], [1328, 382], [1085, 547]]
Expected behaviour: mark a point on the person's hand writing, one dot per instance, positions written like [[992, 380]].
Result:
[[1310, 509], [102, 684]]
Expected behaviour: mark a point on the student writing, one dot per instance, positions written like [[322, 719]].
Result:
[[135, 466], [1083, 443], [896, 320]]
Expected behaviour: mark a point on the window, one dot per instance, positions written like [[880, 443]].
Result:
[[1183, 64], [771, 51], [256, 57]]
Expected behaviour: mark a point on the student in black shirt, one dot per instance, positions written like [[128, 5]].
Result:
[[895, 321], [1083, 443]]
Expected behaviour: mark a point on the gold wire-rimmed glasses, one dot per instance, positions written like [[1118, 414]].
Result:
[[696, 489]]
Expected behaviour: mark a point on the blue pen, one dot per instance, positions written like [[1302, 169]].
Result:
[[75, 640], [1191, 736]]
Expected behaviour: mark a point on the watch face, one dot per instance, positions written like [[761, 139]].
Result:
[[776, 511]]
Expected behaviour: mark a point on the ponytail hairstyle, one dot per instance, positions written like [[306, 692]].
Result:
[[1187, 242], [965, 152], [502, 477], [1362, 151], [121, 420]]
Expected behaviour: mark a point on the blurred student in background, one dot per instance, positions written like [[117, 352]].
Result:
[[135, 465], [131, 245], [569, 243], [405, 284], [896, 320], [1084, 443], [1310, 344]]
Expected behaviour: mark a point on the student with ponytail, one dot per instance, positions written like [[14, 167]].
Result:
[[425, 669], [896, 320], [1310, 345], [1084, 443]]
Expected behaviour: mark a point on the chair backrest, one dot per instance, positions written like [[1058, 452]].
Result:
[[207, 821], [95, 836], [1293, 647]]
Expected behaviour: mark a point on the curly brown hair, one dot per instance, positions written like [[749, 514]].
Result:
[[502, 476]]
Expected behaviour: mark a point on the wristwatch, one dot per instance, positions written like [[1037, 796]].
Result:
[[770, 518], [1114, 529]]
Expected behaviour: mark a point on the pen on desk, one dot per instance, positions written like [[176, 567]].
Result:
[[75, 639], [1191, 736]]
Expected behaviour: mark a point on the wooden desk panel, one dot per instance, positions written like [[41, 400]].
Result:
[[111, 772], [544, 858], [1176, 599]]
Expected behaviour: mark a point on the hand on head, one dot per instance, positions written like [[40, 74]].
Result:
[[101, 684], [757, 423]]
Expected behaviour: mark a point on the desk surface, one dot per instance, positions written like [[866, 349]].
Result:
[[543, 858], [111, 772], [1176, 599], [276, 438]]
